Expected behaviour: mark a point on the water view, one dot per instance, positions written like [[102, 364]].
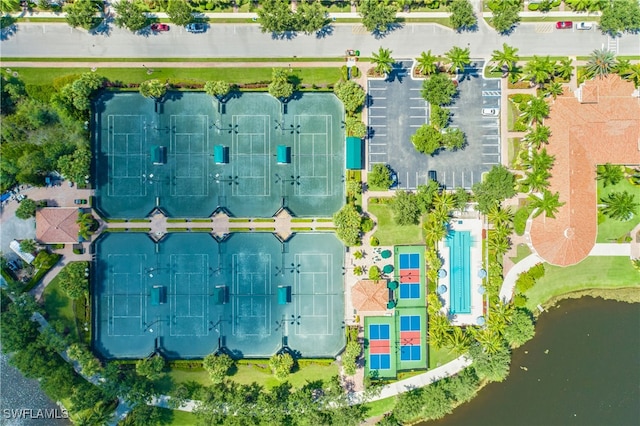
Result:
[[580, 369], [19, 393]]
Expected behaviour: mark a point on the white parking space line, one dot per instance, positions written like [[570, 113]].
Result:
[[378, 125], [377, 98], [490, 144], [377, 144], [451, 107], [377, 107], [378, 135], [415, 125], [420, 107], [490, 153], [417, 99], [416, 89], [417, 116], [377, 116], [377, 88], [489, 164]]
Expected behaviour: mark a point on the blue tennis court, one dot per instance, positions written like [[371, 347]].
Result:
[[409, 261], [379, 347], [410, 329], [459, 243], [409, 276]]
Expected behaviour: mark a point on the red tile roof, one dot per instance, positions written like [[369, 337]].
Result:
[[369, 295], [55, 225], [603, 128]]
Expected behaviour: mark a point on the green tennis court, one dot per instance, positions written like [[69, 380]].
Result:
[[162, 155], [190, 294]]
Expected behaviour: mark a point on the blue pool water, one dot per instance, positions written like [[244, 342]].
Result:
[[459, 243]]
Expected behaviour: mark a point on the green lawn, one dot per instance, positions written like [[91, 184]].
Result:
[[513, 147], [389, 233], [179, 418], [593, 272], [512, 115], [318, 76], [523, 251], [610, 230], [247, 374], [380, 407], [59, 306], [438, 357]]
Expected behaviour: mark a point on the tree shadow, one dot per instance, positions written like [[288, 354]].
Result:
[[398, 72], [284, 35], [8, 27], [379, 34], [325, 31], [103, 28]]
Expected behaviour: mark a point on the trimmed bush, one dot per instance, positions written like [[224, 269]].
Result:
[[533, 7], [520, 220]]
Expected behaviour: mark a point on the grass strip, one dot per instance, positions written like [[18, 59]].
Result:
[[263, 220], [213, 60], [301, 220], [140, 220], [239, 220], [192, 76], [177, 230], [176, 220]]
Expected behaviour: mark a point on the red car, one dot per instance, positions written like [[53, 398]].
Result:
[[159, 27], [563, 25]]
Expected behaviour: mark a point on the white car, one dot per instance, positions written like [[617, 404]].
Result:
[[584, 25], [493, 112]]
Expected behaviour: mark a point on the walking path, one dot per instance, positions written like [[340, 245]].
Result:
[[611, 249], [509, 283]]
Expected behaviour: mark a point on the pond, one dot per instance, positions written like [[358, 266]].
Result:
[[580, 369]]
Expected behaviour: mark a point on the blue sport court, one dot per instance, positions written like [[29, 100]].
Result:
[[409, 275], [459, 244]]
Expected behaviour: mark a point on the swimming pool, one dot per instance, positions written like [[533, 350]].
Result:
[[459, 243]]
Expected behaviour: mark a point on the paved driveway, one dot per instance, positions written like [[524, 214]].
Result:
[[396, 109]]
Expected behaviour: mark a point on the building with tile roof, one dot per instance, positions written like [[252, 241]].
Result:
[[57, 225], [599, 123], [370, 296]]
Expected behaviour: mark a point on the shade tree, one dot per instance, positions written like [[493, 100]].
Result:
[[347, 222], [462, 16], [26, 209], [73, 279], [379, 178], [438, 90], [179, 12], [153, 89], [405, 209], [498, 185], [351, 94], [520, 328], [82, 13], [217, 365], [280, 87], [377, 17], [130, 15]]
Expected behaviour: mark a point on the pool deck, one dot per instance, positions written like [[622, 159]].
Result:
[[477, 306]]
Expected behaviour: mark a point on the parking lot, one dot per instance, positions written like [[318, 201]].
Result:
[[396, 109]]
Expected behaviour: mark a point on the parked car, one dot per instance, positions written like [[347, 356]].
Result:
[[195, 27], [494, 112], [79, 201], [584, 25], [433, 175], [159, 27], [564, 25]]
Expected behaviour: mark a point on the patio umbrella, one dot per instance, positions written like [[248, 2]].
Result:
[[482, 273], [442, 289], [386, 254], [481, 289], [442, 273], [387, 269], [480, 320]]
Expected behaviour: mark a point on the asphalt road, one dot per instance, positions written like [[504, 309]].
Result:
[[230, 40]]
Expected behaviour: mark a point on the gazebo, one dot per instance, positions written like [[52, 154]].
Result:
[[370, 296], [57, 225]]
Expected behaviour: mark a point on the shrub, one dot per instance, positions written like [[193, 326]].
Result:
[[517, 98], [355, 72], [520, 220], [350, 357], [537, 271], [374, 241], [344, 73], [367, 224], [520, 300], [217, 366], [281, 365], [524, 282], [533, 7], [374, 273]]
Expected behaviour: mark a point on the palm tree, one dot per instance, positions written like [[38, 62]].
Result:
[[438, 329], [85, 223], [538, 135], [427, 64], [499, 216], [458, 58], [458, 341], [621, 65], [537, 179], [499, 242], [580, 5], [444, 199], [553, 89], [542, 160], [536, 110], [564, 68], [632, 73], [515, 73], [600, 63], [506, 58], [434, 230], [619, 205], [382, 60], [490, 340], [548, 204], [539, 70], [609, 174]]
